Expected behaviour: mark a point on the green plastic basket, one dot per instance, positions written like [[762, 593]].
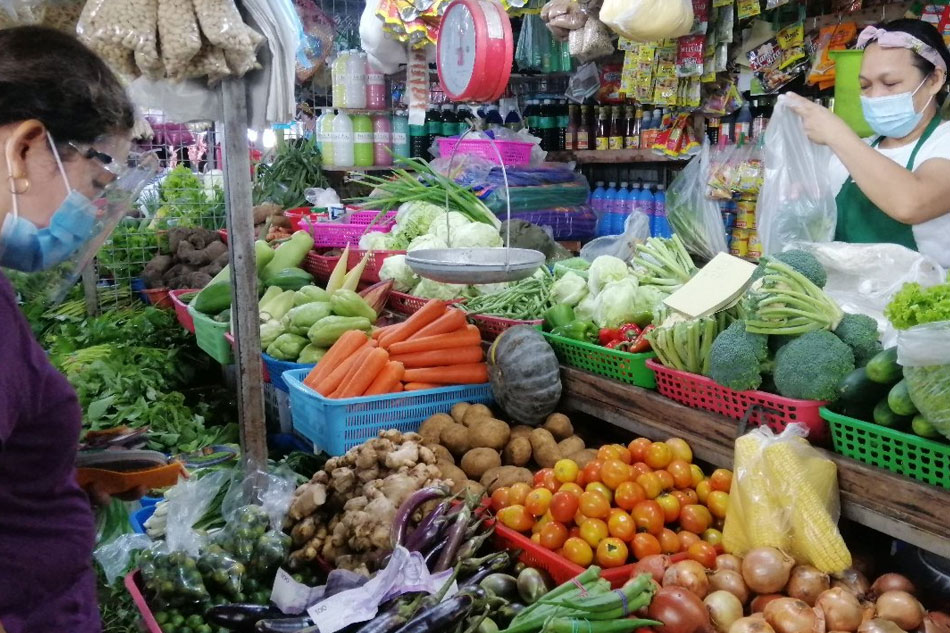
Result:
[[610, 363], [902, 453], [210, 336]]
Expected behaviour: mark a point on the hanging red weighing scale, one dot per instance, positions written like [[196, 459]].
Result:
[[475, 50]]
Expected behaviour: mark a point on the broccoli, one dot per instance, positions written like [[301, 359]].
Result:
[[736, 358], [812, 366], [802, 261], [777, 341], [859, 331]]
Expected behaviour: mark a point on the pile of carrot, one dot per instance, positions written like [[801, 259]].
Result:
[[434, 347]]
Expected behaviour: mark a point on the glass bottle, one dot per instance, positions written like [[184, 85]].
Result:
[[582, 141], [631, 139], [570, 134], [617, 129], [603, 130]]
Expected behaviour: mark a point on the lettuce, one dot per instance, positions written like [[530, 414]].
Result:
[[435, 290], [914, 305], [604, 270], [395, 267], [476, 235], [449, 225], [425, 241], [616, 304], [570, 289]]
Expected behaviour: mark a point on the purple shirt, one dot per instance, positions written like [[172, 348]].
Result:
[[47, 529]]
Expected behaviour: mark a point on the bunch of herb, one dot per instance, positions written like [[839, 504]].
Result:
[[295, 168]]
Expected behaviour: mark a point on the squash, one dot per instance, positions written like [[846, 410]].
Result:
[[525, 375]]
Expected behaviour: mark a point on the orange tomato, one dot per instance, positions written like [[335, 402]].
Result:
[[721, 479], [612, 552], [690, 495], [640, 468], [644, 545], [537, 501], [540, 523], [536, 539], [651, 485], [499, 499], [698, 474], [614, 472], [553, 535], [682, 474], [594, 505], [712, 536], [517, 493], [681, 496], [670, 505], [578, 551], [695, 518], [717, 502], [648, 516], [608, 451], [614, 511], [601, 489], [572, 488], [564, 506], [623, 454], [545, 478], [658, 455], [669, 542], [687, 538], [594, 531], [703, 553], [516, 517], [666, 479], [592, 471], [703, 489], [565, 471], [628, 494], [638, 448], [620, 525], [680, 448]]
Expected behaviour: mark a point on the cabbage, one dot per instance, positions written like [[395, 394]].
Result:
[[375, 241], [476, 235], [436, 290], [425, 241], [569, 289], [604, 270], [616, 304], [443, 229], [487, 289], [650, 299], [584, 311], [412, 220], [395, 267]]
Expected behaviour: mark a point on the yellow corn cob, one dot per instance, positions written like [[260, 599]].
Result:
[[761, 521], [734, 539], [815, 534]]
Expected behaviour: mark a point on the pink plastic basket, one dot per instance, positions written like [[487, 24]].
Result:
[[181, 309], [491, 326], [132, 582], [512, 152], [334, 235], [699, 392], [366, 217], [318, 265], [408, 304], [375, 262]]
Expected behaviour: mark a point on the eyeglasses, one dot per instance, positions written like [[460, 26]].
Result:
[[105, 160]]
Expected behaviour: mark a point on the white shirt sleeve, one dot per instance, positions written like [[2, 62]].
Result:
[[933, 236]]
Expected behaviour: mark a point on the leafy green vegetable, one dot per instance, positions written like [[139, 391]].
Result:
[[395, 267], [297, 166], [604, 270], [570, 289], [913, 305]]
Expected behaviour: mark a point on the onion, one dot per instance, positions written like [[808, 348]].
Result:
[[766, 569], [806, 583], [788, 615], [679, 610], [654, 564], [688, 574], [879, 625], [752, 624], [731, 581], [729, 561], [854, 581], [760, 602], [891, 582], [842, 610], [724, 609], [901, 608]]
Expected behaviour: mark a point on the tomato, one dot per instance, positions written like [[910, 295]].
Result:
[[721, 479], [540, 523], [703, 553], [608, 452], [612, 552], [574, 532], [669, 542], [698, 474], [628, 494], [666, 479], [648, 515], [695, 518], [545, 478], [651, 485], [690, 495], [539, 477], [620, 525], [703, 489], [499, 499], [516, 517], [565, 471], [578, 551], [638, 448], [644, 545], [613, 512], [640, 468], [601, 489], [592, 471], [717, 502], [536, 539], [594, 505], [658, 455], [614, 472], [687, 538], [670, 505], [623, 454], [564, 506], [553, 535], [594, 531], [712, 536], [517, 493], [681, 449], [537, 501], [571, 488], [579, 518], [682, 474]]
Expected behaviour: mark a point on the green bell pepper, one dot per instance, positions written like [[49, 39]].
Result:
[[585, 331], [558, 316]]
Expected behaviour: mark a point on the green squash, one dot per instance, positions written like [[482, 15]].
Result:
[[525, 375]]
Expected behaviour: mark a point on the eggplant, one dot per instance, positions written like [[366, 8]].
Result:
[[531, 585], [508, 612], [501, 585], [427, 530], [453, 540], [441, 616], [297, 624], [416, 499], [383, 624], [242, 617], [470, 547]]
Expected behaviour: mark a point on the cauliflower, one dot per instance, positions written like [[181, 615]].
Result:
[[396, 268]]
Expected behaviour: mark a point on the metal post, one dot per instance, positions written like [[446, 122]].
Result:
[[89, 288], [245, 317]]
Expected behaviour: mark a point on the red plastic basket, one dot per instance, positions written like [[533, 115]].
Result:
[[375, 262], [491, 326], [158, 297], [320, 266], [181, 309], [223, 234], [408, 304], [699, 392], [132, 583]]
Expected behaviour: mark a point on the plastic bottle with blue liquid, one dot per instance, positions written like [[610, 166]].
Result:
[[645, 202], [610, 199], [633, 203], [620, 208], [660, 226], [595, 201]]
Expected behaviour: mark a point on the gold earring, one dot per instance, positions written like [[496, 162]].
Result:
[[13, 185]]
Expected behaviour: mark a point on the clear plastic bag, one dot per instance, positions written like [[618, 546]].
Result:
[[636, 230], [648, 20], [101, 28], [178, 33], [117, 557], [797, 202], [591, 42], [693, 216], [924, 353], [785, 495]]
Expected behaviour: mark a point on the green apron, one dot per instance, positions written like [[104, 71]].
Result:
[[861, 222]]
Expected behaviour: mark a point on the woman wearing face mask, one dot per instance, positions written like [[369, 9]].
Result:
[[64, 127], [894, 186]]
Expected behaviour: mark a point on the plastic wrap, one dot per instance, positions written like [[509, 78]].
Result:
[[591, 42], [693, 216], [636, 231], [384, 51], [563, 16], [797, 202], [178, 33], [63, 15], [210, 62], [648, 20], [924, 353], [117, 557], [102, 28]]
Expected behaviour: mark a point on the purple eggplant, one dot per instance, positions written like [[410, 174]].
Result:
[[441, 616], [383, 624], [242, 617], [300, 624], [416, 499], [454, 537], [428, 529]]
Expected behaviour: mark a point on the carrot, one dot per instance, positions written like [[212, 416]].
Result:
[[332, 382], [364, 376], [420, 386], [387, 380], [466, 337], [378, 332], [442, 357], [471, 374], [425, 315], [452, 320], [338, 352]]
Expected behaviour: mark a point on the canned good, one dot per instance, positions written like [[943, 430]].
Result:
[[745, 214], [729, 220], [740, 243], [754, 245]]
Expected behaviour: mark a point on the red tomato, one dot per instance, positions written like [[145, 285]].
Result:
[[614, 472], [682, 474], [565, 471], [553, 535], [670, 505], [594, 505], [545, 478], [651, 485], [620, 525], [539, 477], [666, 479], [612, 552], [640, 468], [687, 538], [592, 471], [712, 536], [695, 518], [601, 489], [717, 502], [578, 551], [669, 542], [721, 479], [499, 499], [658, 455], [594, 531], [645, 545], [516, 517], [628, 494], [703, 553], [691, 497], [648, 515], [638, 448], [538, 501], [680, 448], [703, 489], [517, 493], [571, 487], [574, 532], [564, 506], [698, 474]]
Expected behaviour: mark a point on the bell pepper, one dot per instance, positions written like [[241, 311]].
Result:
[[577, 330], [558, 316], [641, 344], [629, 331], [608, 335]]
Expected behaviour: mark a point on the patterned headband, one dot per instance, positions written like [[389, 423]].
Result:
[[899, 39]]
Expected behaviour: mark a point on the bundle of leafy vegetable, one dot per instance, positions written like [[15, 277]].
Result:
[[525, 300], [784, 301], [296, 167], [185, 201]]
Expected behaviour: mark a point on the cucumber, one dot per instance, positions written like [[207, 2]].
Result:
[[857, 389], [885, 417], [883, 367], [922, 427], [898, 399], [289, 279]]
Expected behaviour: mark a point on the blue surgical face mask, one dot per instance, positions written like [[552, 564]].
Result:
[[893, 116], [27, 248]]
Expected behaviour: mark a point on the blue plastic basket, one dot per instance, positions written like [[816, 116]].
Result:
[[147, 501], [276, 369], [139, 517], [335, 426]]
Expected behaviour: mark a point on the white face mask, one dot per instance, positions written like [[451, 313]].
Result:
[[893, 116]]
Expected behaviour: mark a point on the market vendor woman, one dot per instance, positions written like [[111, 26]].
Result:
[[64, 119], [894, 186]]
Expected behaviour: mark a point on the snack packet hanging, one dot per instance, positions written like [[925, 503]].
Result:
[[689, 55], [830, 38]]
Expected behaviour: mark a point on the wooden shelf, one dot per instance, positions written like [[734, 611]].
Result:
[[886, 502], [594, 157]]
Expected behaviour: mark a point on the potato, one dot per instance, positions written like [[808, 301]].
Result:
[[474, 489], [544, 448], [571, 445], [521, 430], [501, 476], [458, 411], [559, 425], [455, 474], [517, 452], [431, 429], [584, 457], [475, 412], [478, 460], [455, 438], [489, 433], [442, 454]]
